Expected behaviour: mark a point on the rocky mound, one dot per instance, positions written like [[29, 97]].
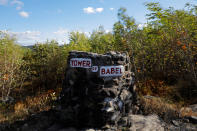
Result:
[[98, 89]]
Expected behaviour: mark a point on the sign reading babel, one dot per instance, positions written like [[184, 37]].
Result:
[[81, 62], [111, 71], [105, 71]]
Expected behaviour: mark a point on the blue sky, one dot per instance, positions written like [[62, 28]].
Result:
[[37, 20]]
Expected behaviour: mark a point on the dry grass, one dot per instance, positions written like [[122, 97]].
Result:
[[153, 88], [159, 106], [21, 109], [165, 109], [186, 111], [176, 98]]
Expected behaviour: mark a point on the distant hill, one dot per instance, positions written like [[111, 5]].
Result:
[[29, 46]]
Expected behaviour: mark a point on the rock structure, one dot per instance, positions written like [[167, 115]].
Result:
[[99, 91]]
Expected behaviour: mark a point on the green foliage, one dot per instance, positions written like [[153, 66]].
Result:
[[78, 41], [172, 34], [125, 31], [164, 49], [46, 64], [101, 42]]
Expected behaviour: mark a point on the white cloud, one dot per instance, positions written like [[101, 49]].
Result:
[[142, 25], [87, 33], [61, 32], [89, 10], [3, 2], [61, 36], [111, 9], [24, 14], [31, 37], [26, 37], [99, 10], [19, 4], [108, 30]]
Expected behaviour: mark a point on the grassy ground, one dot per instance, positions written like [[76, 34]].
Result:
[[30, 104], [155, 98], [165, 100]]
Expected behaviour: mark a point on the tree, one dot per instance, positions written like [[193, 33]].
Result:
[[78, 41], [126, 34], [11, 63], [47, 64], [100, 41]]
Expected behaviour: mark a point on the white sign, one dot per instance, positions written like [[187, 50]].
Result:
[[111, 71], [81, 62], [94, 68]]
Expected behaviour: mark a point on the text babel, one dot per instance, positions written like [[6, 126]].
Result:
[[81, 62], [111, 71]]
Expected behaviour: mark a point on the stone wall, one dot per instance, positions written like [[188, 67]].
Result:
[[98, 89]]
